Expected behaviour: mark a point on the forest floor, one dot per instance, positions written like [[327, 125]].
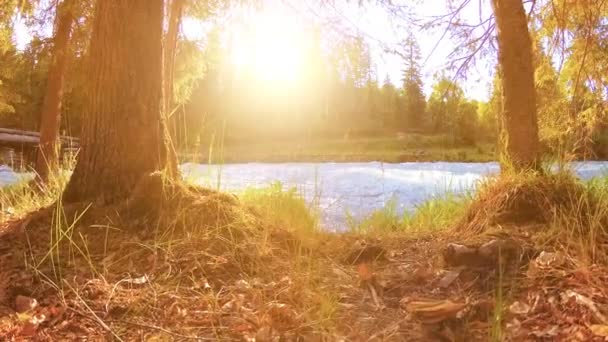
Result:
[[526, 261], [393, 149]]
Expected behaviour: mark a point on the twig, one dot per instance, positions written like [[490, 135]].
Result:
[[149, 326], [99, 320], [374, 295]]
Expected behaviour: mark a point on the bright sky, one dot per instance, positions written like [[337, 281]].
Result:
[[280, 41], [279, 38]]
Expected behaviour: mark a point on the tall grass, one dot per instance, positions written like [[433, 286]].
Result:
[[27, 196], [283, 207], [432, 215]]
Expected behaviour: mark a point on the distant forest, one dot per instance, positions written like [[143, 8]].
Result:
[[341, 94]]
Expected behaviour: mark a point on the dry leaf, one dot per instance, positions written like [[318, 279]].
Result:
[[434, 311], [242, 285], [28, 330], [138, 281], [548, 259], [551, 331], [585, 301], [599, 329], [519, 308], [365, 272], [24, 304], [449, 277]]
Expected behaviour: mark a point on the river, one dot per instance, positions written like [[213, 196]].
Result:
[[348, 189], [357, 189]]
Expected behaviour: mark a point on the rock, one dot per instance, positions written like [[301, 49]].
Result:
[[460, 255], [25, 304], [492, 253]]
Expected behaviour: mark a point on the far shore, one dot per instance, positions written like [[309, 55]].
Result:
[[414, 148]]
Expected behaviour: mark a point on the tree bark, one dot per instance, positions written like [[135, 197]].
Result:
[[519, 94], [169, 52], [122, 128], [50, 118]]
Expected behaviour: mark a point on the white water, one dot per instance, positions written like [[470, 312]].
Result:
[[353, 188], [359, 188]]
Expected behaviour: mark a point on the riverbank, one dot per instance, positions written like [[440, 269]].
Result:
[[522, 260], [406, 148]]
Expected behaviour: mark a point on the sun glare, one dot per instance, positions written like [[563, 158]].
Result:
[[269, 46]]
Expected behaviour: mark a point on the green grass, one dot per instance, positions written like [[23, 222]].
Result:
[[432, 215], [411, 147], [24, 197], [282, 207]]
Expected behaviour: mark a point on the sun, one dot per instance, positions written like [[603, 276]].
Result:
[[269, 45]]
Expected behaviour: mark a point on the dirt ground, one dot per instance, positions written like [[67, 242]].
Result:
[[111, 274]]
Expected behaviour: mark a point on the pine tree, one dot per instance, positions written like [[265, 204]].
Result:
[[519, 93], [389, 104], [50, 118], [414, 100], [122, 129]]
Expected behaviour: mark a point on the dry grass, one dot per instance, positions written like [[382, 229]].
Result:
[[175, 260], [556, 209], [179, 262]]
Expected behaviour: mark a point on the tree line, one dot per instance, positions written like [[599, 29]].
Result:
[[549, 92]]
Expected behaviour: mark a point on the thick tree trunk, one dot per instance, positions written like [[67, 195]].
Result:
[[169, 52], [519, 94], [50, 118], [122, 134]]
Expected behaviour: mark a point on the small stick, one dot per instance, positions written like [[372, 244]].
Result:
[[99, 320], [149, 326]]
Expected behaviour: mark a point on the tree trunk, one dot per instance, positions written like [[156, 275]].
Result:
[[50, 119], [519, 94], [122, 129], [169, 52]]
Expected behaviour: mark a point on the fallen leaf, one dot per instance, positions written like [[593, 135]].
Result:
[[138, 281], [519, 308], [37, 319], [585, 301], [551, 331], [365, 272], [548, 259], [449, 277], [340, 273], [28, 330], [281, 317], [242, 285], [24, 304], [432, 311], [599, 329], [514, 326]]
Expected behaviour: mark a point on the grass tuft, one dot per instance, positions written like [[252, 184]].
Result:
[[282, 207], [431, 216], [560, 209]]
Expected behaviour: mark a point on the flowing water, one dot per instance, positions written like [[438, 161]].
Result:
[[357, 189], [348, 189]]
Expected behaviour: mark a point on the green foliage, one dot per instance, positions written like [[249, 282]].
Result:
[[23, 73], [189, 69], [414, 102], [451, 112], [444, 102]]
